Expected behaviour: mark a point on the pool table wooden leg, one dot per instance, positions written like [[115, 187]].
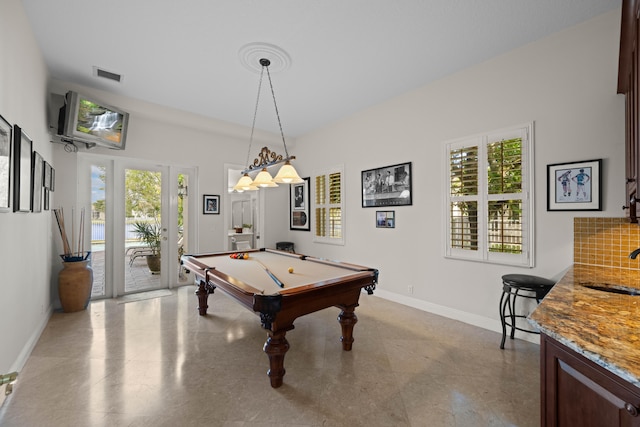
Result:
[[203, 292], [347, 319], [276, 347]]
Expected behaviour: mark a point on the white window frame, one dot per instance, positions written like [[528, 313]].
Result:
[[327, 239], [482, 254]]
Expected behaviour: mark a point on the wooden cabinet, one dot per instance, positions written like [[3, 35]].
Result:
[[629, 85], [577, 392]]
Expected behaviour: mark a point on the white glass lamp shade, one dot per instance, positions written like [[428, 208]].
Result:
[[287, 175], [245, 184], [264, 179]]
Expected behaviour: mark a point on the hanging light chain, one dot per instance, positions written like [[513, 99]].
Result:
[[255, 114], [286, 152], [267, 158]]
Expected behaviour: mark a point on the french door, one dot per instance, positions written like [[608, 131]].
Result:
[[141, 216]]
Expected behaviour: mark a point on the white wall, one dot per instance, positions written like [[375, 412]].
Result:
[[566, 83], [25, 238]]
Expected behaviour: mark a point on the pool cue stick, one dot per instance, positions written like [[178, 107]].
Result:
[[273, 276]]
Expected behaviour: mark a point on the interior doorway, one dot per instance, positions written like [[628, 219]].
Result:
[[242, 214]]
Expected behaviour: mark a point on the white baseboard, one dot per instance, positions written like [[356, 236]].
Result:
[[19, 363], [451, 313]]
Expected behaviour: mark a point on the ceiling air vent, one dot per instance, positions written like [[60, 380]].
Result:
[[107, 74]]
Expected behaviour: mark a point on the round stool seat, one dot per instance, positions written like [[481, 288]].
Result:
[[533, 287], [527, 282]]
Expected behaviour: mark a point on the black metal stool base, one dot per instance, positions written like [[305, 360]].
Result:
[[524, 286]]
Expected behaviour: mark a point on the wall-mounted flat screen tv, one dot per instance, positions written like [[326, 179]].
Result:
[[91, 121]]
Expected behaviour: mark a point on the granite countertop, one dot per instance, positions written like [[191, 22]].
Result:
[[602, 326]]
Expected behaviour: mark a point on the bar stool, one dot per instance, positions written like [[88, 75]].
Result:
[[524, 286], [285, 246]]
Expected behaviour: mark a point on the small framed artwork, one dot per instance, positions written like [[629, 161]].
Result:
[[385, 219], [210, 204], [46, 199], [52, 182], [22, 146], [575, 186], [37, 180], [387, 186], [299, 206], [46, 181], [5, 164]]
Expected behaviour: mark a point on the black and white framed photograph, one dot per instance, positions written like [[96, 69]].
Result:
[[46, 181], [22, 146], [387, 186], [574, 186], [37, 180], [385, 219], [48, 185], [5, 165], [52, 182], [299, 206], [210, 204]]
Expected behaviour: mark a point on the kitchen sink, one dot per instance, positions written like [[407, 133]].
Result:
[[615, 289]]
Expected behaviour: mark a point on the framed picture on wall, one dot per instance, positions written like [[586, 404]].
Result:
[[37, 180], [210, 204], [387, 186], [5, 164], [299, 206], [574, 186], [46, 182], [385, 219], [22, 146], [52, 182]]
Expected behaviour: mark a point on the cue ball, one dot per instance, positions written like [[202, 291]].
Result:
[[290, 269]]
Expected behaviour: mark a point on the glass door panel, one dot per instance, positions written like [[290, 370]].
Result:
[[98, 228], [144, 232], [182, 215]]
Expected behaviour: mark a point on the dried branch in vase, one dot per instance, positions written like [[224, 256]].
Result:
[[75, 251]]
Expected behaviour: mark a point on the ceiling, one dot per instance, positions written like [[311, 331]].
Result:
[[340, 56]]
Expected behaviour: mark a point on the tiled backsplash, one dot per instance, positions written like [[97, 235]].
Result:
[[605, 242]]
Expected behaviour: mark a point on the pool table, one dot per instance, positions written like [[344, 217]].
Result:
[[262, 283]]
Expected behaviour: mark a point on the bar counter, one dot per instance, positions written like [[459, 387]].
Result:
[[601, 325]]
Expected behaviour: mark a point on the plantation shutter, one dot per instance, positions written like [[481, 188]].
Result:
[[329, 208]]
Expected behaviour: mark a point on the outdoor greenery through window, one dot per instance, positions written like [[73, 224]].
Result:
[[142, 203], [489, 209], [329, 209]]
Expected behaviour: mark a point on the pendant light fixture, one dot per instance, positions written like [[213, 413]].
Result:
[[267, 158]]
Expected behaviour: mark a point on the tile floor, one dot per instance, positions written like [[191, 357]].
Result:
[[157, 362]]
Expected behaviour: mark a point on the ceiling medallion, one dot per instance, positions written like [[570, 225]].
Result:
[[251, 53]]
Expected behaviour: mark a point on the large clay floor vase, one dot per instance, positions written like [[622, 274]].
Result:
[[74, 285]]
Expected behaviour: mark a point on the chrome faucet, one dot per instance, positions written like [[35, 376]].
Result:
[[634, 254]]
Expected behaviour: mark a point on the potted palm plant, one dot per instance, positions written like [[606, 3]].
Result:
[[151, 236]]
